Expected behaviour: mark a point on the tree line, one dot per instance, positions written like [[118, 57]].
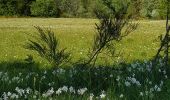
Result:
[[152, 9]]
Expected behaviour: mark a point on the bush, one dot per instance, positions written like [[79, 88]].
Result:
[[155, 14], [7, 8], [44, 8], [144, 13], [46, 45], [15, 7], [163, 9]]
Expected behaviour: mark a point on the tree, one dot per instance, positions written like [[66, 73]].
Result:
[[135, 8], [150, 8], [7, 7], [23, 7], [165, 42], [162, 9], [115, 23], [15, 7], [44, 8]]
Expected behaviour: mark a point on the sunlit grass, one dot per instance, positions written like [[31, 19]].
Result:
[[76, 35]]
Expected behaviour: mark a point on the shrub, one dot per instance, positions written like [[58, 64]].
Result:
[[155, 14], [7, 8], [163, 9], [46, 45], [143, 13], [71, 7], [15, 7], [44, 8], [115, 23]]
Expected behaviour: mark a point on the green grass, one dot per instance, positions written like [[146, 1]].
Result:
[[76, 35]]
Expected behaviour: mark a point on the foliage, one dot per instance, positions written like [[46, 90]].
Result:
[[15, 7], [135, 7], [46, 45], [114, 25], [163, 9], [6, 8], [78, 8], [44, 8], [148, 6]]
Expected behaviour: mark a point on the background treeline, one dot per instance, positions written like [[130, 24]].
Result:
[[153, 9]]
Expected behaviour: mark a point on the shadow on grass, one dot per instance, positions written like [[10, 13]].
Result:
[[77, 75], [19, 66]]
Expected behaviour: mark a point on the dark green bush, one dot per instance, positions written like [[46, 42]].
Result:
[[15, 7], [44, 8], [153, 9], [7, 8]]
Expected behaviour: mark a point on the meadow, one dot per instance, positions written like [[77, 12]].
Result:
[[76, 35], [132, 80]]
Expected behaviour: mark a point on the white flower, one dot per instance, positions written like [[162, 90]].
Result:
[[49, 92], [146, 92], [111, 75], [54, 72], [161, 83], [138, 83], [45, 72], [118, 78], [159, 70], [43, 77], [71, 89], [34, 96], [61, 71], [15, 78], [151, 89], [82, 91], [127, 83], [9, 93], [121, 96], [133, 80], [129, 69], [65, 88], [91, 96], [20, 74], [102, 95], [49, 84], [5, 97], [158, 89], [164, 71], [150, 83], [141, 94], [28, 90], [59, 91], [20, 91], [13, 96], [133, 66]]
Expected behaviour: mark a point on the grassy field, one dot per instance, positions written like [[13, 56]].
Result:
[[76, 35], [133, 81]]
